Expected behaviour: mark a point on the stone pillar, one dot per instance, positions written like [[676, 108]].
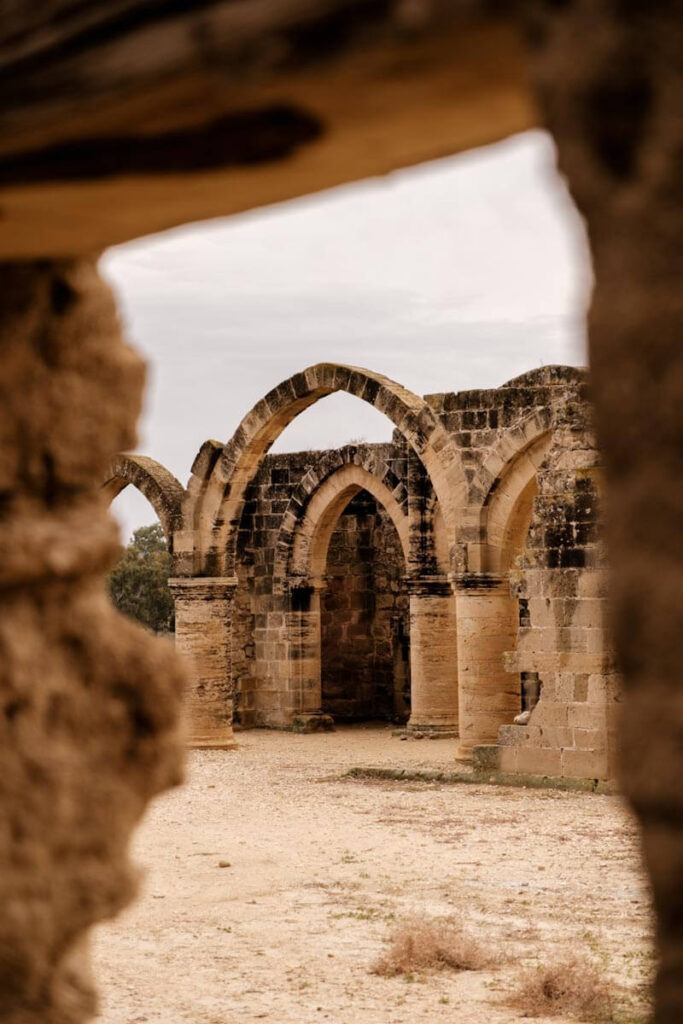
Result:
[[304, 658], [433, 656], [488, 696], [203, 632]]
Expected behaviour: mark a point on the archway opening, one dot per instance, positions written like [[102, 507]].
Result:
[[365, 631]]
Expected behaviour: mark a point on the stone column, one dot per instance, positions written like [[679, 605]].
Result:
[[488, 696], [203, 632], [304, 658], [433, 656]]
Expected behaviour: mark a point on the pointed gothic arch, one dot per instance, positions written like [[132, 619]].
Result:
[[216, 498], [163, 491]]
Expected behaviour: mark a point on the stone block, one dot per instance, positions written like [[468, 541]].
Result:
[[542, 612], [538, 761], [312, 723], [580, 688], [589, 612], [590, 739], [512, 735], [585, 764], [546, 714], [604, 688], [557, 737], [486, 757], [507, 759], [559, 687], [593, 583], [586, 716]]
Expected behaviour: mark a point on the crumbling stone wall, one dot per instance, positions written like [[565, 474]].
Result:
[[481, 635], [514, 593], [501, 603], [490, 427], [560, 581]]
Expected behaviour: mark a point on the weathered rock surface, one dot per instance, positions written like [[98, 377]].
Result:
[[89, 703]]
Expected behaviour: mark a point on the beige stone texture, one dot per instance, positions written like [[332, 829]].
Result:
[[203, 638], [433, 657], [114, 125], [90, 702], [297, 620], [488, 696]]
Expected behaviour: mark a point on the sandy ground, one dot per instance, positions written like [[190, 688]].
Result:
[[317, 869]]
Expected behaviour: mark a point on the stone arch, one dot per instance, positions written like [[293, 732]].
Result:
[[312, 537], [506, 512], [472, 527], [374, 475], [513, 443], [164, 493], [217, 501], [550, 375], [304, 559], [488, 615]]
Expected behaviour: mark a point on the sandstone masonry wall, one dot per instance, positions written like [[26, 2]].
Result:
[[268, 657], [560, 582], [516, 595], [365, 627], [356, 593]]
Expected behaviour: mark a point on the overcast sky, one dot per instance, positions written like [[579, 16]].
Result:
[[457, 274]]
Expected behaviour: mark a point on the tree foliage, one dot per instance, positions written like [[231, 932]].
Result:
[[138, 585]]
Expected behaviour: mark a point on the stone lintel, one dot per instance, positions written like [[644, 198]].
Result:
[[203, 588]]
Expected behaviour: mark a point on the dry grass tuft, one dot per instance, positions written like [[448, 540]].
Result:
[[431, 944], [574, 987]]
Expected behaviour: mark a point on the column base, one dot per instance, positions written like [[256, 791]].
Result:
[[221, 738], [464, 754], [433, 722], [430, 732]]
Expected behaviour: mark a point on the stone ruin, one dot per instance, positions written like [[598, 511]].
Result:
[[448, 580], [127, 119]]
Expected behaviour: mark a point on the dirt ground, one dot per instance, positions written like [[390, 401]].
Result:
[[271, 884]]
